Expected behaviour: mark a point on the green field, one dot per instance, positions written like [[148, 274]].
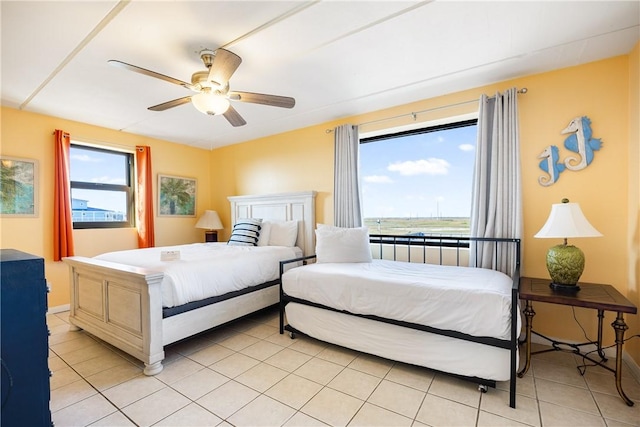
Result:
[[401, 226]]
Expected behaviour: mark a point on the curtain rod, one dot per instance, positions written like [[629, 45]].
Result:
[[101, 143], [415, 113]]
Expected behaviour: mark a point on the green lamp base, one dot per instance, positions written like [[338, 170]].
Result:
[[565, 264]]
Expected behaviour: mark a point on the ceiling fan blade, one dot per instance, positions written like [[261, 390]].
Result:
[[224, 64], [170, 104], [261, 98], [234, 117], [150, 73]]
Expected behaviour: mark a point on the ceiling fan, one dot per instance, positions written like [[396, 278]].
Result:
[[212, 87]]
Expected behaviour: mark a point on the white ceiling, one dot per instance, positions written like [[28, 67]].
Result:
[[336, 58]]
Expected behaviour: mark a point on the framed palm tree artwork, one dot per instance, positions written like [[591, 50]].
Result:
[[19, 187], [177, 196]]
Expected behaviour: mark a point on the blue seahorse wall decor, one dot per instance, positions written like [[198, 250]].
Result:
[[551, 165], [580, 141]]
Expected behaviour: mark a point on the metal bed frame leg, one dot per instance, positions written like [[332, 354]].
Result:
[[515, 289]]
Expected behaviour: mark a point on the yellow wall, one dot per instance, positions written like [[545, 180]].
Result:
[[275, 164], [29, 135], [634, 195], [303, 160], [608, 190]]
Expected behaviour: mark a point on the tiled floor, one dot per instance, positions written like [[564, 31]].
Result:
[[247, 374]]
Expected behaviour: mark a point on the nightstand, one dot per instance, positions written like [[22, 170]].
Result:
[[591, 295]]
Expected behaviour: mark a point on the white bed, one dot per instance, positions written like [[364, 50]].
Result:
[[205, 270], [123, 303], [451, 319], [474, 301]]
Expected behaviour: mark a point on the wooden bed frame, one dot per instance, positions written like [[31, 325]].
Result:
[[440, 250], [122, 305]]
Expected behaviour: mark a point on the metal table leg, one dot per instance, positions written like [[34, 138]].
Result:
[[599, 343], [529, 313], [620, 326]]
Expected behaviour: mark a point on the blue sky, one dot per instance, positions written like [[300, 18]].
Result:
[[422, 175], [419, 175], [95, 166]]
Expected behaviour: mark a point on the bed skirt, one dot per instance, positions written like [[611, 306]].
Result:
[[402, 344]]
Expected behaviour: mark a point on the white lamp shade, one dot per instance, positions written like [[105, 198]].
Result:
[[567, 220], [210, 103], [210, 221]]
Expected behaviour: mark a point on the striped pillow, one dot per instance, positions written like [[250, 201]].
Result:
[[245, 232]]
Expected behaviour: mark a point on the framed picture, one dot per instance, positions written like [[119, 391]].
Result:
[[176, 196], [19, 183]]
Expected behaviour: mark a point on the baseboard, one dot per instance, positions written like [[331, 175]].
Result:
[[59, 309], [609, 352]]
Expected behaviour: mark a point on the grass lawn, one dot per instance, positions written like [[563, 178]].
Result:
[[402, 226]]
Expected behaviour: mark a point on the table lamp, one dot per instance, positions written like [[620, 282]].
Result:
[[210, 221], [566, 262]]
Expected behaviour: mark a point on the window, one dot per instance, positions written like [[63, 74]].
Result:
[[101, 187], [418, 182]]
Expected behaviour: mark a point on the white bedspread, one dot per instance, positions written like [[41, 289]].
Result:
[[207, 269], [474, 301]]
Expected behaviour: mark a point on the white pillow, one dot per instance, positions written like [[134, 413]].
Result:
[[337, 244], [283, 233], [265, 232], [245, 232]]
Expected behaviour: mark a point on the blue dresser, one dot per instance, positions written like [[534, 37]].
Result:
[[25, 340]]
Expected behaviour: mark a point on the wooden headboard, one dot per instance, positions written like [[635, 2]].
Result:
[[300, 206]]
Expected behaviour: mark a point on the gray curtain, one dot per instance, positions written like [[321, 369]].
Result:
[[496, 209], [346, 188]]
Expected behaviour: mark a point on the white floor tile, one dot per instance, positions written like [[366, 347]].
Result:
[[319, 370], [370, 416], [294, 391], [438, 411], [227, 399], [234, 365], [153, 408], [261, 377], [83, 412], [355, 383], [191, 415], [69, 394], [248, 374], [132, 390], [332, 407], [263, 411], [199, 383], [398, 398], [117, 419]]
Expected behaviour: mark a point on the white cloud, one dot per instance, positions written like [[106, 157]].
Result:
[[378, 179], [107, 180], [430, 166], [85, 158], [466, 147]]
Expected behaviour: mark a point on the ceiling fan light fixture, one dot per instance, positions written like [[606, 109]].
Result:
[[210, 103], [211, 87]]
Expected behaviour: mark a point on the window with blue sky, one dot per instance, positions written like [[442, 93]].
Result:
[[418, 176], [101, 187]]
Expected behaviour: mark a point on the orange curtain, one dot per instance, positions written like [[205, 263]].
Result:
[[144, 191], [62, 220]]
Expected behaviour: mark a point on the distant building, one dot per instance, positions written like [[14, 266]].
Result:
[[79, 204], [81, 212]]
